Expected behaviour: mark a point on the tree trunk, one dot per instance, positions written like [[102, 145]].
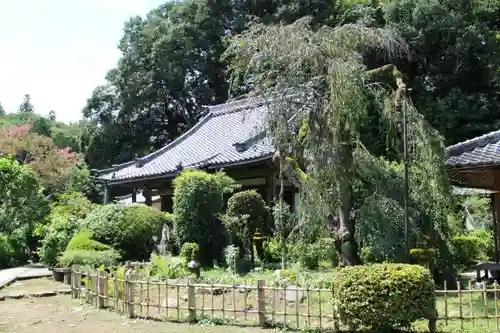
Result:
[[345, 242]]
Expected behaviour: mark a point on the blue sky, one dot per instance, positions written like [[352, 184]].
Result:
[[58, 51]]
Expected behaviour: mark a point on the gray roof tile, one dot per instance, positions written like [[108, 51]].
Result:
[[210, 143], [480, 151]]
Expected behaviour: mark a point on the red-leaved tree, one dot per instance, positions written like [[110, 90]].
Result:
[[53, 165]]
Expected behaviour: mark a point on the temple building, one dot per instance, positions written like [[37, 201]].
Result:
[[475, 164], [228, 137]]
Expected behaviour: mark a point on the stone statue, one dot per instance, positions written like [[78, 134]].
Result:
[[165, 234]]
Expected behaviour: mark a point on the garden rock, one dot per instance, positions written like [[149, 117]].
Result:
[[214, 291]]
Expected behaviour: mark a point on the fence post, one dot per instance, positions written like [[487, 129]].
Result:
[[261, 302], [75, 281], [102, 288], [129, 282], [191, 301]]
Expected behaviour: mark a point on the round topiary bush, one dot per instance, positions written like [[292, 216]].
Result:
[[129, 229], [249, 214], [190, 251], [384, 296]]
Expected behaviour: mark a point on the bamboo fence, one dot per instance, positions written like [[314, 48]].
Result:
[[258, 304]]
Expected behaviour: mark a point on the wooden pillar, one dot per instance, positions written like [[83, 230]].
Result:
[[134, 195], [496, 213], [148, 200], [495, 226], [166, 203]]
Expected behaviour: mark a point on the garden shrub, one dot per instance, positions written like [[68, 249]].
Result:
[[83, 241], [473, 247], [170, 268], [88, 258], [190, 251], [128, 228], [384, 296], [7, 252], [61, 225], [272, 250], [198, 203], [249, 213], [22, 206], [311, 255], [231, 255]]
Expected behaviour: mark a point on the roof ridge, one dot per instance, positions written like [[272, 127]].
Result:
[[471, 144], [235, 105]]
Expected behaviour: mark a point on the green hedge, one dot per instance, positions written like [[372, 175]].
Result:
[[128, 228], [384, 296], [190, 251], [88, 258], [473, 247], [198, 203]]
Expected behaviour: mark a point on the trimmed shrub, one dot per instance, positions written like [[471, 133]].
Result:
[[384, 296], [190, 251], [128, 228], [310, 255], [249, 213], [83, 241], [198, 204], [88, 258], [476, 246]]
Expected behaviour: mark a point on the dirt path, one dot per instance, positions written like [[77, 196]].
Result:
[[60, 314]]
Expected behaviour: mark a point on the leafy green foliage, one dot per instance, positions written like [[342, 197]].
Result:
[[453, 70], [310, 255], [61, 225], [88, 258], [128, 228], [190, 251], [231, 255], [22, 206], [8, 252], [83, 241], [249, 215], [272, 250], [198, 203], [473, 247], [397, 295], [170, 268]]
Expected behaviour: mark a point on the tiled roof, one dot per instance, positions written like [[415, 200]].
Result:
[[226, 135], [481, 151]]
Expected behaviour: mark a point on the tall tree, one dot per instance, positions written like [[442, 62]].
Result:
[[52, 115], [171, 66], [319, 93], [453, 70], [26, 105], [2, 110]]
